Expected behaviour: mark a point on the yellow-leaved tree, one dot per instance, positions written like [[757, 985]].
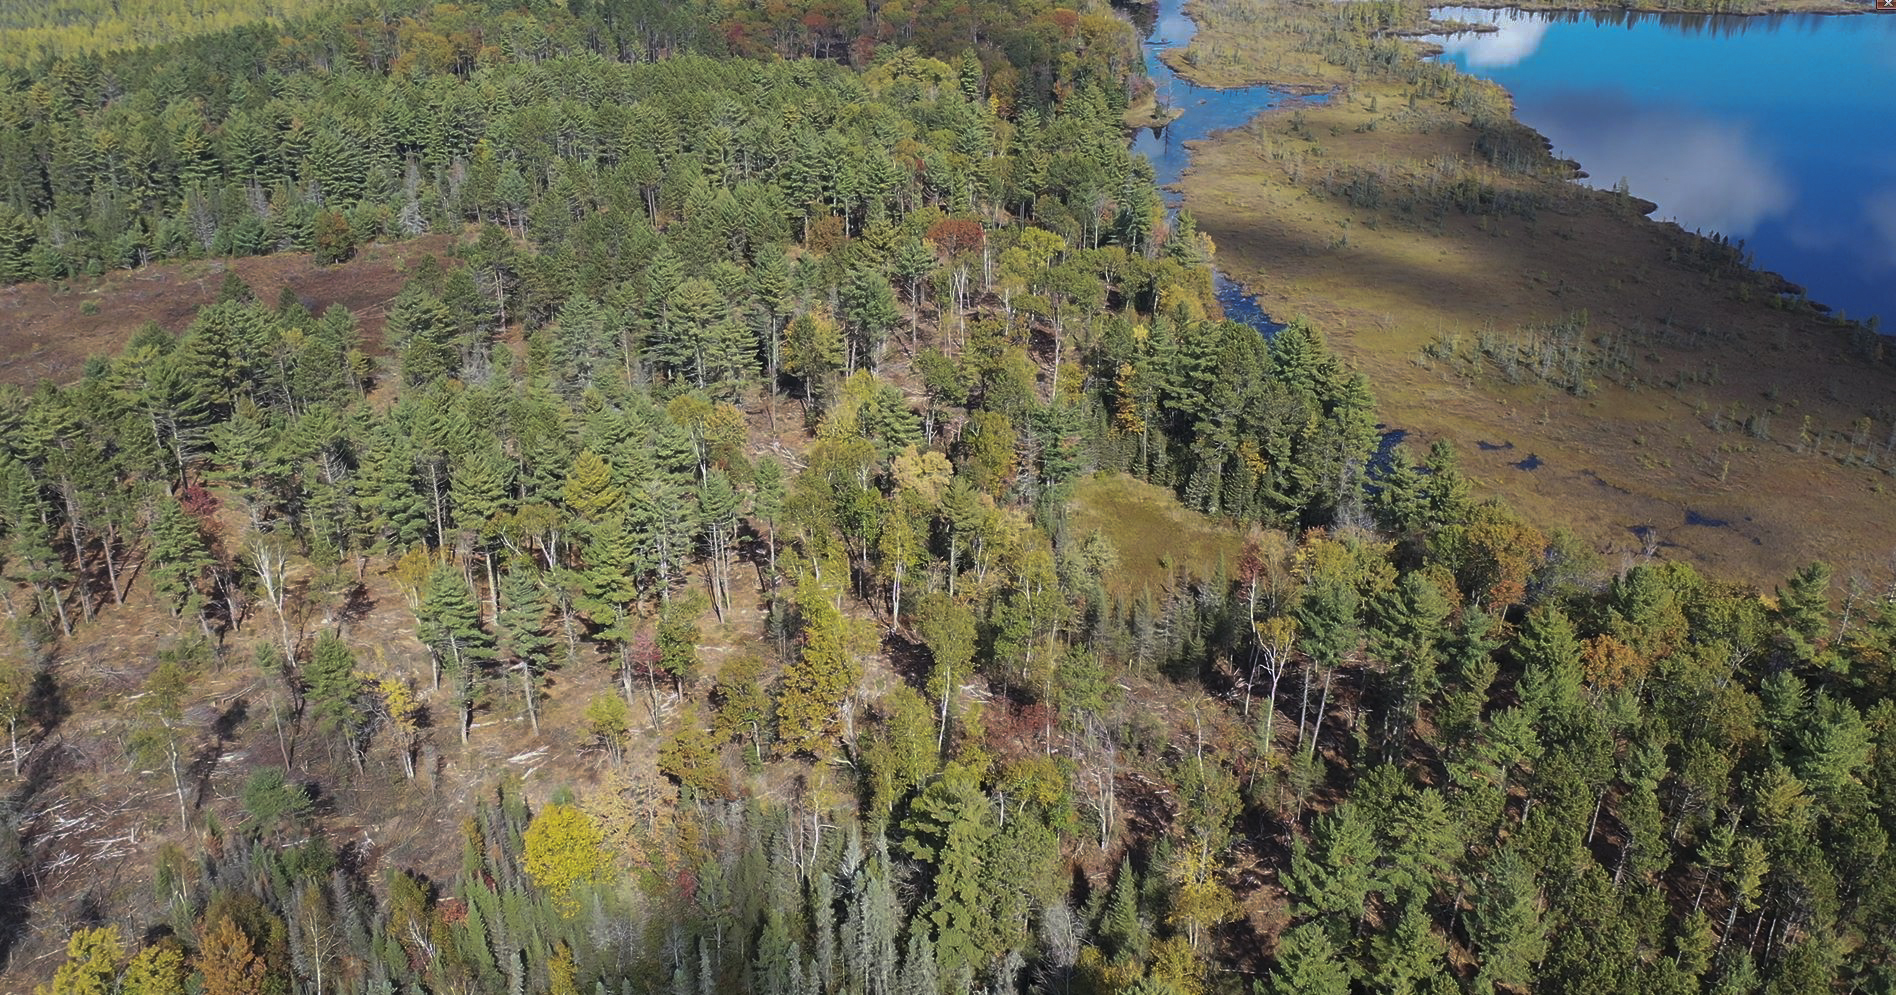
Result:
[[92, 964], [565, 852]]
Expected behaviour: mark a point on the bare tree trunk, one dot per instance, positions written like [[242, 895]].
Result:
[[526, 691], [111, 564], [1323, 704]]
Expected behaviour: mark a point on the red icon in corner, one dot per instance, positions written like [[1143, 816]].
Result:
[[1886, 6]]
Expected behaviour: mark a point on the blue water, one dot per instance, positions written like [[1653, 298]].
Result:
[[1777, 130], [1207, 110]]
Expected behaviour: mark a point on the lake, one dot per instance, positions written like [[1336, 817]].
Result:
[[1778, 130]]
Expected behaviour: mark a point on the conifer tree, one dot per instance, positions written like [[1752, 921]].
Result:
[[451, 626], [919, 970], [1327, 617], [823, 675], [1308, 963], [1548, 651], [1121, 927], [1334, 877], [1506, 924], [179, 559], [767, 493], [523, 638], [334, 687], [718, 507]]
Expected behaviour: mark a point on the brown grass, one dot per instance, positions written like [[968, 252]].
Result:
[[47, 334], [1695, 344]]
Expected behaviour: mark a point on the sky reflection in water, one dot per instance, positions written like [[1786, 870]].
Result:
[[1778, 130]]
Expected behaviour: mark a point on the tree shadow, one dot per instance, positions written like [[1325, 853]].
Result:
[[223, 730], [21, 887]]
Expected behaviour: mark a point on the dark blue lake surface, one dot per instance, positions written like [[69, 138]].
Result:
[[1206, 110], [1778, 130]]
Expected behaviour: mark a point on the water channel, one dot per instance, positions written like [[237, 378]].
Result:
[[1206, 110]]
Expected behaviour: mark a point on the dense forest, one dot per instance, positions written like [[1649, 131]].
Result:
[[801, 331]]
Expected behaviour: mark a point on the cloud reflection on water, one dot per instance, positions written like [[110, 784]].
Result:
[[1879, 209], [1517, 37], [1713, 172]]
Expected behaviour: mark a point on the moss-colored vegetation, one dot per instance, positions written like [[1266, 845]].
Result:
[[31, 30], [1153, 537]]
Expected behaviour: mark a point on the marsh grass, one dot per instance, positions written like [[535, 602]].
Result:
[[1446, 253], [1154, 535]]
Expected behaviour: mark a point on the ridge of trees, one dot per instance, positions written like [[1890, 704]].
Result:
[[1405, 739]]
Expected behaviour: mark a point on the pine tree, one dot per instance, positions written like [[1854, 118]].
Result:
[[589, 491], [1308, 963], [1548, 651], [451, 626], [1327, 616], [869, 305], [718, 506], [180, 559], [663, 518], [767, 493], [522, 625], [1334, 877], [813, 353], [335, 689], [1406, 639], [1506, 925], [1804, 610], [1404, 959], [394, 514], [823, 675]]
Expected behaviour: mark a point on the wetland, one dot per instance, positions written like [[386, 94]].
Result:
[[1659, 379]]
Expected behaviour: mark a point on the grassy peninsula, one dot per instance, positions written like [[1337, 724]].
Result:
[[1591, 362]]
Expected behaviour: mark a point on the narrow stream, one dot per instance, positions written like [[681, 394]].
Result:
[[1206, 110]]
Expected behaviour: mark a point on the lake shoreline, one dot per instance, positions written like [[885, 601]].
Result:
[[1176, 59], [1426, 301]]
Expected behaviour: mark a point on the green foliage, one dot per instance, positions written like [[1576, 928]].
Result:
[[1308, 963], [947, 830], [272, 802], [824, 673], [579, 413]]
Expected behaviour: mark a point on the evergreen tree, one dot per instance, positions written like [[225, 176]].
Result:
[[451, 626], [1507, 926], [1308, 963], [823, 675], [180, 560], [334, 688], [523, 637]]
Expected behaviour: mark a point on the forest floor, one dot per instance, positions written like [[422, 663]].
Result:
[[1716, 418], [49, 330]]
